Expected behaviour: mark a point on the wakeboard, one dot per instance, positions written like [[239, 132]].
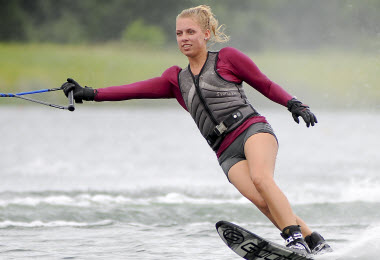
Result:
[[252, 247]]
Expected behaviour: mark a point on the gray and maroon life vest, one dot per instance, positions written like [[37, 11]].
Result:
[[217, 106]]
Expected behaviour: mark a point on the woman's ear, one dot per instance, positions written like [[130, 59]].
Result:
[[207, 35]]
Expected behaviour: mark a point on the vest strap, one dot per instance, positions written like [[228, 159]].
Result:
[[223, 126]]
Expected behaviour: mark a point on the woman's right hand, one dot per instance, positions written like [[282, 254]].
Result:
[[79, 92]]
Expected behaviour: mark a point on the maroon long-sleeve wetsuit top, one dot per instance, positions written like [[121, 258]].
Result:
[[232, 65]]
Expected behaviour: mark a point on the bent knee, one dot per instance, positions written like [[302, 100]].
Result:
[[262, 183]]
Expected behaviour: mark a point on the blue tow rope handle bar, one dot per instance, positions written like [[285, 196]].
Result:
[[28, 92], [70, 107]]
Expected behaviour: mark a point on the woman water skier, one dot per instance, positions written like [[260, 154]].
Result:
[[210, 89]]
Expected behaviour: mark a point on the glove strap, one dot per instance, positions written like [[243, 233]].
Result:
[[295, 103], [89, 94]]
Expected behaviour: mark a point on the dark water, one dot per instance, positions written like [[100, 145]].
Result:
[[122, 183]]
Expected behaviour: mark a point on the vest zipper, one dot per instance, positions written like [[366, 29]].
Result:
[[198, 89]]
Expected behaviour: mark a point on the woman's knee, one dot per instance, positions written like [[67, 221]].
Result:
[[262, 182]]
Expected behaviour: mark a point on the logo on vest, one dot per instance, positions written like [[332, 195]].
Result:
[[226, 94]]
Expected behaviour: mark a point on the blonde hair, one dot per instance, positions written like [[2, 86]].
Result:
[[206, 20]]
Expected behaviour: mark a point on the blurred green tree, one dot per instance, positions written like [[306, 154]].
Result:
[[140, 33], [252, 24]]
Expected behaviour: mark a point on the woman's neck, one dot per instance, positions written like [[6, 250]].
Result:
[[197, 62]]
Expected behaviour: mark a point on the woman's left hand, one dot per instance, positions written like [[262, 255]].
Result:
[[298, 109]]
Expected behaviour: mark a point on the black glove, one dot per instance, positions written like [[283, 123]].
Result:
[[80, 93], [298, 109]]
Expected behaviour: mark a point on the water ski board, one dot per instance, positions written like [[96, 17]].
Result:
[[252, 247]]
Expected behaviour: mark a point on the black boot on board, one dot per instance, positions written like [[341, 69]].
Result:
[[317, 244], [294, 239]]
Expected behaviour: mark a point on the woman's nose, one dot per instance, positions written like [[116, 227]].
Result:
[[185, 37]]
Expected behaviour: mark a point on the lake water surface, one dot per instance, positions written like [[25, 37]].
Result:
[[141, 183]]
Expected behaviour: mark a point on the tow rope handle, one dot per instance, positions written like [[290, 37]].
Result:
[[70, 107]]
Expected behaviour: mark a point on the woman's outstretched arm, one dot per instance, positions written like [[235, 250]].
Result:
[[155, 88], [245, 69]]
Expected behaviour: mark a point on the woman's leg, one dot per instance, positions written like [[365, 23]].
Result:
[[261, 151], [239, 176], [254, 179]]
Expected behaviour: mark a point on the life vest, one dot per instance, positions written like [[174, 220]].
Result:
[[217, 106]]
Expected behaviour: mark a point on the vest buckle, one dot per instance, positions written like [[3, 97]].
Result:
[[220, 129]]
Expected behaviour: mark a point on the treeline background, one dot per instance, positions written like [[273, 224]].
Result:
[[253, 25], [326, 52]]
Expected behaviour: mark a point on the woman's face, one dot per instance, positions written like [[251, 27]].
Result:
[[190, 37]]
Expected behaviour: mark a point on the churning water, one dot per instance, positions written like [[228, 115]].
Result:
[[133, 183]]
